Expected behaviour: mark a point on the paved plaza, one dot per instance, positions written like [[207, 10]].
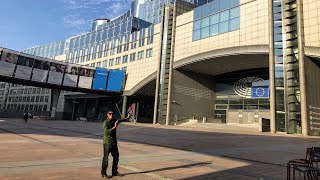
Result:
[[72, 150]]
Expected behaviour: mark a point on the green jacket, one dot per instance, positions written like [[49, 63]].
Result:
[[109, 134]]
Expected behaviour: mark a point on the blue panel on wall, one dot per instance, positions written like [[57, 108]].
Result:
[[100, 79], [260, 92], [115, 80]]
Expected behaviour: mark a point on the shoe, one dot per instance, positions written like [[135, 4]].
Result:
[[116, 174], [104, 175]]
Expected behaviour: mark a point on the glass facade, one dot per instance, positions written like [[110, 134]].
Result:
[[47, 51], [279, 66], [108, 38], [149, 10], [228, 99], [216, 17]]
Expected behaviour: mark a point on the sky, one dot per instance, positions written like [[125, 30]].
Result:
[[28, 23]]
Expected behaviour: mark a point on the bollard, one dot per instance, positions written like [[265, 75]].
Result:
[[204, 119]]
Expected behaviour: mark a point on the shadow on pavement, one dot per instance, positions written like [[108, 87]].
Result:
[[265, 155]]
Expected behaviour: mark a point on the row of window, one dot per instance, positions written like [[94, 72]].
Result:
[[225, 21], [48, 51], [279, 66], [24, 107], [29, 99], [29, 91], [213, 7], [125, 59], [107, 49], [151, 11]]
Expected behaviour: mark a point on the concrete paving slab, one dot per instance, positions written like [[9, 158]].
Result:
[[43, 149]]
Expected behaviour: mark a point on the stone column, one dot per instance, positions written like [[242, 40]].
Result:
[[302, 75], [124, 107], [137, 112], [272, 71], [54, 101]]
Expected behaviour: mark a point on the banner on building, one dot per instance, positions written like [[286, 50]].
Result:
[[131, 109], [8, 62], [39, 75], [260, 92], [115, 80], [23, 72], [85, 82], [71, 77], [100, 79], [55, 77]]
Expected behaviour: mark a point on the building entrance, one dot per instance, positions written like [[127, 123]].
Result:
[[237, 100]]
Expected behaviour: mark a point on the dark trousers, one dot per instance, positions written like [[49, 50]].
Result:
[[113, 149]]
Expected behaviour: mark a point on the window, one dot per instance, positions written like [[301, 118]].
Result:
[[124, 59], [234, 24], [214, 29], [106, 48], [93, 64], [140, 55], [126, 44], [118, 60], [150, 35], [214, 19], [132, 57], [197, 25], [215, 6], [111, 62], [119, 49], [205, 10], [224, 16], [234, 3], [223, 27], [225, 21], [224, 4], [105, 63], [141, 37], [205, 32], [98, 64], [196, 35], [112, 51], [133, 40], [205, 22], [112, 48], [100, 51], [197, 13], [234, 13], [149, 53]]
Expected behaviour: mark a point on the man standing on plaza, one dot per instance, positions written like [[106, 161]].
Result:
[[110, 145]]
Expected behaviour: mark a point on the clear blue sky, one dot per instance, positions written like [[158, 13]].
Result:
[[27, 23]]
